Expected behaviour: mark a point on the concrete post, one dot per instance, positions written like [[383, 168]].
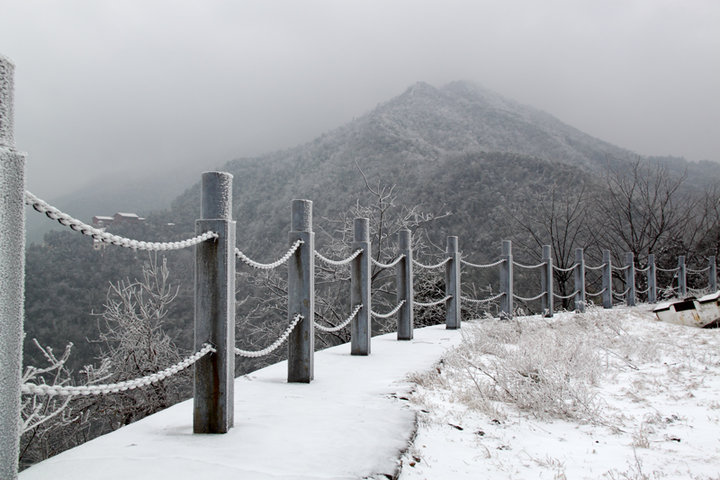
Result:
[[12, 277], [630, 279], [546, 281], [452, 284], [579, 275], [215, 307], [682, 277], [652, 279], [506, 279], [607, 297], [360, 329], [712, 274], [301, 295], [404, 276]]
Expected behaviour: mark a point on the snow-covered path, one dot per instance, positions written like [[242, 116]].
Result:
[[346, 424]]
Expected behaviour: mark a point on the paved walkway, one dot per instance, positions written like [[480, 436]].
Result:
[[344, 425]]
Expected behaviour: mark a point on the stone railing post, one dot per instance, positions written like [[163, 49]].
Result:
[[712, 274], [630, 279], [12, 279], [546, 281], [506, 279], [682, 277], [215, 307], [579, 275], [452, 284], [360, 328], [301, 295], [652, 279], [607, 297], [404, 274]]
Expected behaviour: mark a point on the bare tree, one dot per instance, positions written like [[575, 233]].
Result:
[[559, 218]]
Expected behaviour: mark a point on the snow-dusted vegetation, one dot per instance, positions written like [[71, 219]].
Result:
[[606, 394]]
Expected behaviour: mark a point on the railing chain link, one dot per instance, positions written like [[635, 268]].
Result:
[[566, 297], [340, 326], [339, 263], [485, 300], [569, 269], [274, 346], [390, 313], [478, 265], [34, 389], [432, 304], [536, 297], [529, 267], [429, 267], [105, 237], [269, 266], [388, 265]]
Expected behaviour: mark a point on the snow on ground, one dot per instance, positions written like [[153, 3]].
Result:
[[498, 408], [346, 424], [609, 394]]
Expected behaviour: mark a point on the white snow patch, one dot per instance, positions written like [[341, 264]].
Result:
[[346, 424]]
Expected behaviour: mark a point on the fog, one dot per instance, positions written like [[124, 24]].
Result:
[[140, 86]]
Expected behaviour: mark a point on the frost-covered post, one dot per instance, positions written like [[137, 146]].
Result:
[[712, 274], [651, 279], [360, 331], [301, 295], [452, 284], [546, 281], [630, 279], [506, 279], [579, 274], [404, 275], [12, 275], [607, 280], [215, 307], [682, 276]]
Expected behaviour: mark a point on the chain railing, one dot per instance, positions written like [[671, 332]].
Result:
[[66, 390], [268, 266], [105, 237], [273, 346], [342, 324]]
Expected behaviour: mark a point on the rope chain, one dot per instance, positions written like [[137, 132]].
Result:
[[477, 265], [566, 269], [432, 304], [105, 237], [596, 294], [437, 265], [339, 263], [620, 269], [521, 265], [390, 313], [690, 270], [621, 295], [269, 266], [566, 297], [344, 324], [486, 300], [667, 270], [642, 270], [599, 267], [641, 292], [33, 389], [388, 265], [274, 346], [536, 297]]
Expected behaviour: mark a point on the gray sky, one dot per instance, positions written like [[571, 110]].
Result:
[[103, 86]]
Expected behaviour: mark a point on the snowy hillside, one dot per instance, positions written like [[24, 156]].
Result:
[[609, 394]]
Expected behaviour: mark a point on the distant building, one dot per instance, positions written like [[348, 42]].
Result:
[[120, 217], [103, 221]]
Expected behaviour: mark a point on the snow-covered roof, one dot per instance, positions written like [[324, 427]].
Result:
[[710, 297]]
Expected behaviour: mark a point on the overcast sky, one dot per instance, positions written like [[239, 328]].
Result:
[[103, 86]]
